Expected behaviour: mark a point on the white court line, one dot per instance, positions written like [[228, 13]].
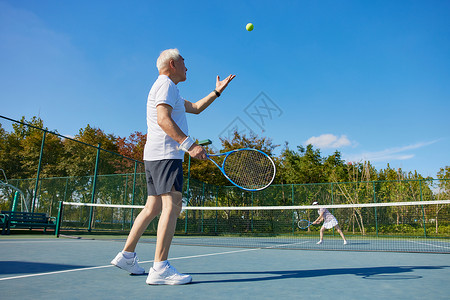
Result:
[[143, 262], [429, 245], [55, 272], [38, 241]]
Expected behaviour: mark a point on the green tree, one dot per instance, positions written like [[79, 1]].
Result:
[[132, 147], [442, 193], [303, 166], [80, 157], [10, 160], [80, 162], [335, 168], [444, 175], [21, 155]]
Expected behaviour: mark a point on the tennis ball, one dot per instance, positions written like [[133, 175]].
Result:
[[249, 27]]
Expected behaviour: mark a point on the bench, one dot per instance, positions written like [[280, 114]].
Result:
[[20, 219]]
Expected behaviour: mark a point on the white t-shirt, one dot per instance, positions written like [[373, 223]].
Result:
[[159, 145]]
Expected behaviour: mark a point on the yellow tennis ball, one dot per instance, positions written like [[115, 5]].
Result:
[[249, 27]]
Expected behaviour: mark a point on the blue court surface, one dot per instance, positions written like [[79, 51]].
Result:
[[50, 268]]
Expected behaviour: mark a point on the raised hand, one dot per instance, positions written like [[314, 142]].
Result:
[[221, 85]]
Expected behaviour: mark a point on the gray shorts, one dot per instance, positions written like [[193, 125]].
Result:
[[162, 175]]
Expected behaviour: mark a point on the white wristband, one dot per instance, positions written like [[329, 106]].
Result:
[[186, 144]]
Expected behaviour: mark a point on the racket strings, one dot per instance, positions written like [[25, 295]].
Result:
[[303, 223], [249, 169]]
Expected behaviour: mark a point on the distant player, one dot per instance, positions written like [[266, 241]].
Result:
[[329, 221]]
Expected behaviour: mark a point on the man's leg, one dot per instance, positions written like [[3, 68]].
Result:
[[127, 259], [171, 208], [162, 272], [151, 210]]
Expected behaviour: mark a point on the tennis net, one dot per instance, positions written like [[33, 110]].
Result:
[[419, 226]]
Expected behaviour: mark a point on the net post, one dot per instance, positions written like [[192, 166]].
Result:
[[203, 203], [132, 195], [332, 202], [251, 213], [59, 219], [65, 188], [293, 214], [423, 212], [186, 222], [188, 185], [186, 212], [125, 199], [94, 185], [188, 176], [375, 201], [217, 215]]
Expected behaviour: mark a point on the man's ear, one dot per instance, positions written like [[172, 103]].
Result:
[[172, 63]]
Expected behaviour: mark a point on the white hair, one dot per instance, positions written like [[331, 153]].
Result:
[[166, 56]]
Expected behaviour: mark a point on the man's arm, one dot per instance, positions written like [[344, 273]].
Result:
[[202, 104], [168, 125]]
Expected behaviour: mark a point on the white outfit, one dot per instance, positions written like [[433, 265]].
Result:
[[329, 221], [159, 145]]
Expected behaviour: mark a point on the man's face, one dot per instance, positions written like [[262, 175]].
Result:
[[180, 69]]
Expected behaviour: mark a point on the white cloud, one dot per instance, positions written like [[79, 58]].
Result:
[[397, 153], [328, 140]]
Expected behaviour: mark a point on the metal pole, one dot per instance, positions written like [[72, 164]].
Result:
[[189, 177], [217, 215], [293, 213], [94, 185], [251, 212], [423, 211], [65, 188], [375, 201], [187, 195], [132, 196], [332, 194], [16, 198], [38, 172], [59, 219], [203, 203], [332, 201]]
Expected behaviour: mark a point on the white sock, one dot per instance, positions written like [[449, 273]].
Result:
[[160, 265], [128, 255]]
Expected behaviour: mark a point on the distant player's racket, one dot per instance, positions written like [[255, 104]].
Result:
[[304, 224], [246, 168]]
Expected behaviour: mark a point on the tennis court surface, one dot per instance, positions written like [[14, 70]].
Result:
[[64, 268]]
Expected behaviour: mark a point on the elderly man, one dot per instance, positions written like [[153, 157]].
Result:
[[167, 140]]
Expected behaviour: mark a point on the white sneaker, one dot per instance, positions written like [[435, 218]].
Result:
[[128, 264], [319, 242], [167, 276], [345, 242]]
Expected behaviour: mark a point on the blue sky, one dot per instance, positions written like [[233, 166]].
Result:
[[367, 78]]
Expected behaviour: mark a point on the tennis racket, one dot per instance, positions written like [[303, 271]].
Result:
[[246, 168], [304, 224]]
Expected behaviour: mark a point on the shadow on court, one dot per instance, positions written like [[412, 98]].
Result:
[[23, 267], [377, 273]]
